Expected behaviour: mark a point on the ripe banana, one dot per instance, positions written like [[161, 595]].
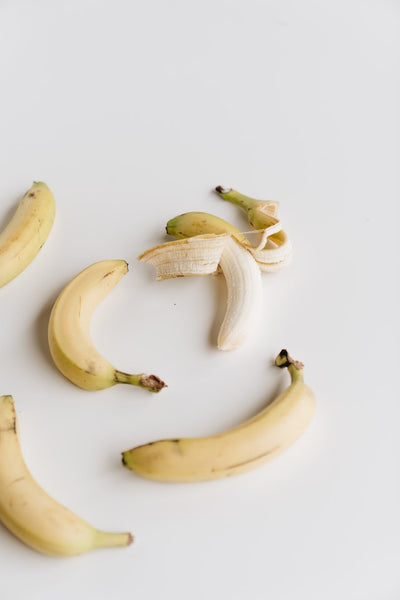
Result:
[[27, 231], [69, 331], [239, 261], [236, 450], [30, 513], [273, 252], [203, 254]]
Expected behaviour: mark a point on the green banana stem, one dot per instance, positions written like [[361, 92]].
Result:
[[235, 197], [295, 367], [149, 382], [257, 217]]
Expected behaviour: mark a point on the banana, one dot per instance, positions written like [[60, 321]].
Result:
[[26, 232], [203, 254], [244, 295], [273, 252], [239, 260], [69, 331], [236, 450], [30, 513]]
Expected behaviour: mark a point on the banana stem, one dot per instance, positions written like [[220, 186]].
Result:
[[295, 367], [256, 214], [149, 382], [103, 539], [235, 197]]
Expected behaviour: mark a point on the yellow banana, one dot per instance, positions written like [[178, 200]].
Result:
[[203, 254], [30, 513], [26, 232], [236, 450], [270, 257], [69, 331]]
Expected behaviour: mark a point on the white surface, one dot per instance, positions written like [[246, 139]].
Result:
[[132, 112]]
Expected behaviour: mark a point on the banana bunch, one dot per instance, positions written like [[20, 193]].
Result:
[[70, 343], [217, 245], [30, 513], [204, 244], [236, 450], [27, 231]]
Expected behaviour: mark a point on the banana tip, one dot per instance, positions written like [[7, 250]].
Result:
[[284, 360], [152, 383], [220, 189], [130, 539]]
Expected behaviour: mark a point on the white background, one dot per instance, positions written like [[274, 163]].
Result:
[[132, 112]]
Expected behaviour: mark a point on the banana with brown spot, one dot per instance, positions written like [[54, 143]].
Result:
[[30, 513], [236, 450], [69, 337]]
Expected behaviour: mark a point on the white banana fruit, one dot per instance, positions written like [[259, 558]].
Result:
[[244, 295], [69, 338], [236, 450], [204, 254], [30, 513], [218, 245], [26, 232]]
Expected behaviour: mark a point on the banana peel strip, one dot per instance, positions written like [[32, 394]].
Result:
[[201, 254], [197, 255]]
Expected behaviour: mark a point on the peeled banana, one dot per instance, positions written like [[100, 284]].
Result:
[[30, 513], [69, 338], [26, 232], [272, 252], [236, 450], [217, 245]]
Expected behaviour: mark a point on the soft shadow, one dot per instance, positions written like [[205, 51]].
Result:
[[6, 218], [40, 327], [266, 401]]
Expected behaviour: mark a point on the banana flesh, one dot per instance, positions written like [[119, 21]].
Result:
[[206, 244], [69, 338], [204, 254], [236, 450], [26, 232], [30, 513], [244, 295]]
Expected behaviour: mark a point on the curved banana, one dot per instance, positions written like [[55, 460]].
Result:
[[69, 331], [30, 513], [202, 254], [236, 450], [244, 295], [27, 231], [269, 256]]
